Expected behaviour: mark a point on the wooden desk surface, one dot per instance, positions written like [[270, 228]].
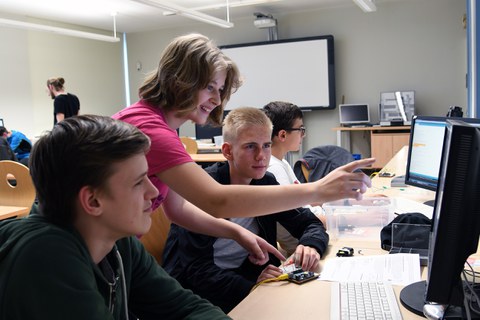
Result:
[[10, 211], [285, 300], [398, 165], [208, 157]]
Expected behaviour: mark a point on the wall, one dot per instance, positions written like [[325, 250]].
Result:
[[406, 45], [92, 70]]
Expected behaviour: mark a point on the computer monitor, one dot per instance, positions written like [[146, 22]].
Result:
[[425, 150], [207, 131], [354, 114], [456, 225]]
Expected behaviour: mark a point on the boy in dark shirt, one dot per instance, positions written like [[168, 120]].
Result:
[[219, 269]]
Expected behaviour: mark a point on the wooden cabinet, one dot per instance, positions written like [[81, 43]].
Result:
[[385, 142]]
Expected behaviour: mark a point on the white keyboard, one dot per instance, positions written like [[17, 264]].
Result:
[[363, 300]]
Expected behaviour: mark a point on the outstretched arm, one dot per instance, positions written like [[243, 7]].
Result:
[[192, 218], [194, 184]]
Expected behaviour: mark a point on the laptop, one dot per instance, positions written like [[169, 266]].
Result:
[[354, 114], [411, 238]]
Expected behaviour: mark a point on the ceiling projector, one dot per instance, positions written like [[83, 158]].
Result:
[[264, 21]]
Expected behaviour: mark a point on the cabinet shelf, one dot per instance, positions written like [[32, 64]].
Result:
[[385, 142]]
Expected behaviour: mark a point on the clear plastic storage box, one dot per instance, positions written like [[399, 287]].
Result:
[[358, 218]]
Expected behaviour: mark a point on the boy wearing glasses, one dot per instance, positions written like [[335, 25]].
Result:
[[219, 269], [287, 135]]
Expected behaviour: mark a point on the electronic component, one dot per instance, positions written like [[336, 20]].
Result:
[[299, 276], [345, 252], [386, 174]]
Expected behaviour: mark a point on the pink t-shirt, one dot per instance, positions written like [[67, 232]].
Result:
[[166, 151]]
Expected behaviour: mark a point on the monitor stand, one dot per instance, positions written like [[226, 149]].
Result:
[[398, 181], [412, 298], [430, 203]]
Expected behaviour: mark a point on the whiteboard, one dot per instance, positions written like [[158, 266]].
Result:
[[300, 71]]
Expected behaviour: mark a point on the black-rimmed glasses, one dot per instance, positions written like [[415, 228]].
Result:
[[302, 130]]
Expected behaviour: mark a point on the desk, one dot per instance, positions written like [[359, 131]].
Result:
[[397, 164], [10, 211], [208, 157], [385, 142], [285, 300]]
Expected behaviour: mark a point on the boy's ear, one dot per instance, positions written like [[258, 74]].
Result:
[[282, 134], [227, 150], [87, 198]]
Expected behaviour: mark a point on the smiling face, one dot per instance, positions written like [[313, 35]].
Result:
[[127, 199], [209, 98], [249, 154]]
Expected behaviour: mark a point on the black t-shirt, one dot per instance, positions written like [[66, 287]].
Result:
[[68, 104]]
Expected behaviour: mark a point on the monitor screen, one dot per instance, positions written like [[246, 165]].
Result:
[[455, 227], [425, 150], [207, 131], [354, 114]]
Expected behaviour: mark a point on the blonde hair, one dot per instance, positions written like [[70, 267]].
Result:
[[239, 119], [187, 66]]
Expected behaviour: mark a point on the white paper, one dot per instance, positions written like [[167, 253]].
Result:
[[397, 269]]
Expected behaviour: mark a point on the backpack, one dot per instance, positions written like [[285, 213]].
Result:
[[411, 218]]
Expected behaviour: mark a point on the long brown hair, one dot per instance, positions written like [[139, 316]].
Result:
[[186, 66]]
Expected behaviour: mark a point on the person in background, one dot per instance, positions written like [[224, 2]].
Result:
[[77, 256], [6, 152], [65, 104], [287, 135], [218, 269], [193, 82], [19, 143]]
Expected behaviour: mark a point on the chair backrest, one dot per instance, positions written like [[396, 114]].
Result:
[[154, 240], [16, 185], [305, 171], [319, 161], [190, 145]]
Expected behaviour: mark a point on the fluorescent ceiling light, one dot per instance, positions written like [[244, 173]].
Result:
[[189, 13], [366, 5], [231, 4], [57, 30]]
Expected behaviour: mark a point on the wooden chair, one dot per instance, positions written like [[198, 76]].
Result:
[[154, 240], [190, 145], [19, 194], [305, 171]]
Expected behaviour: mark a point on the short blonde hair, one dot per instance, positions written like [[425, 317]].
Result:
[[239, 118]]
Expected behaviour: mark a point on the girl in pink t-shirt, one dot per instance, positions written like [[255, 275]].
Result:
[[193, 82]]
